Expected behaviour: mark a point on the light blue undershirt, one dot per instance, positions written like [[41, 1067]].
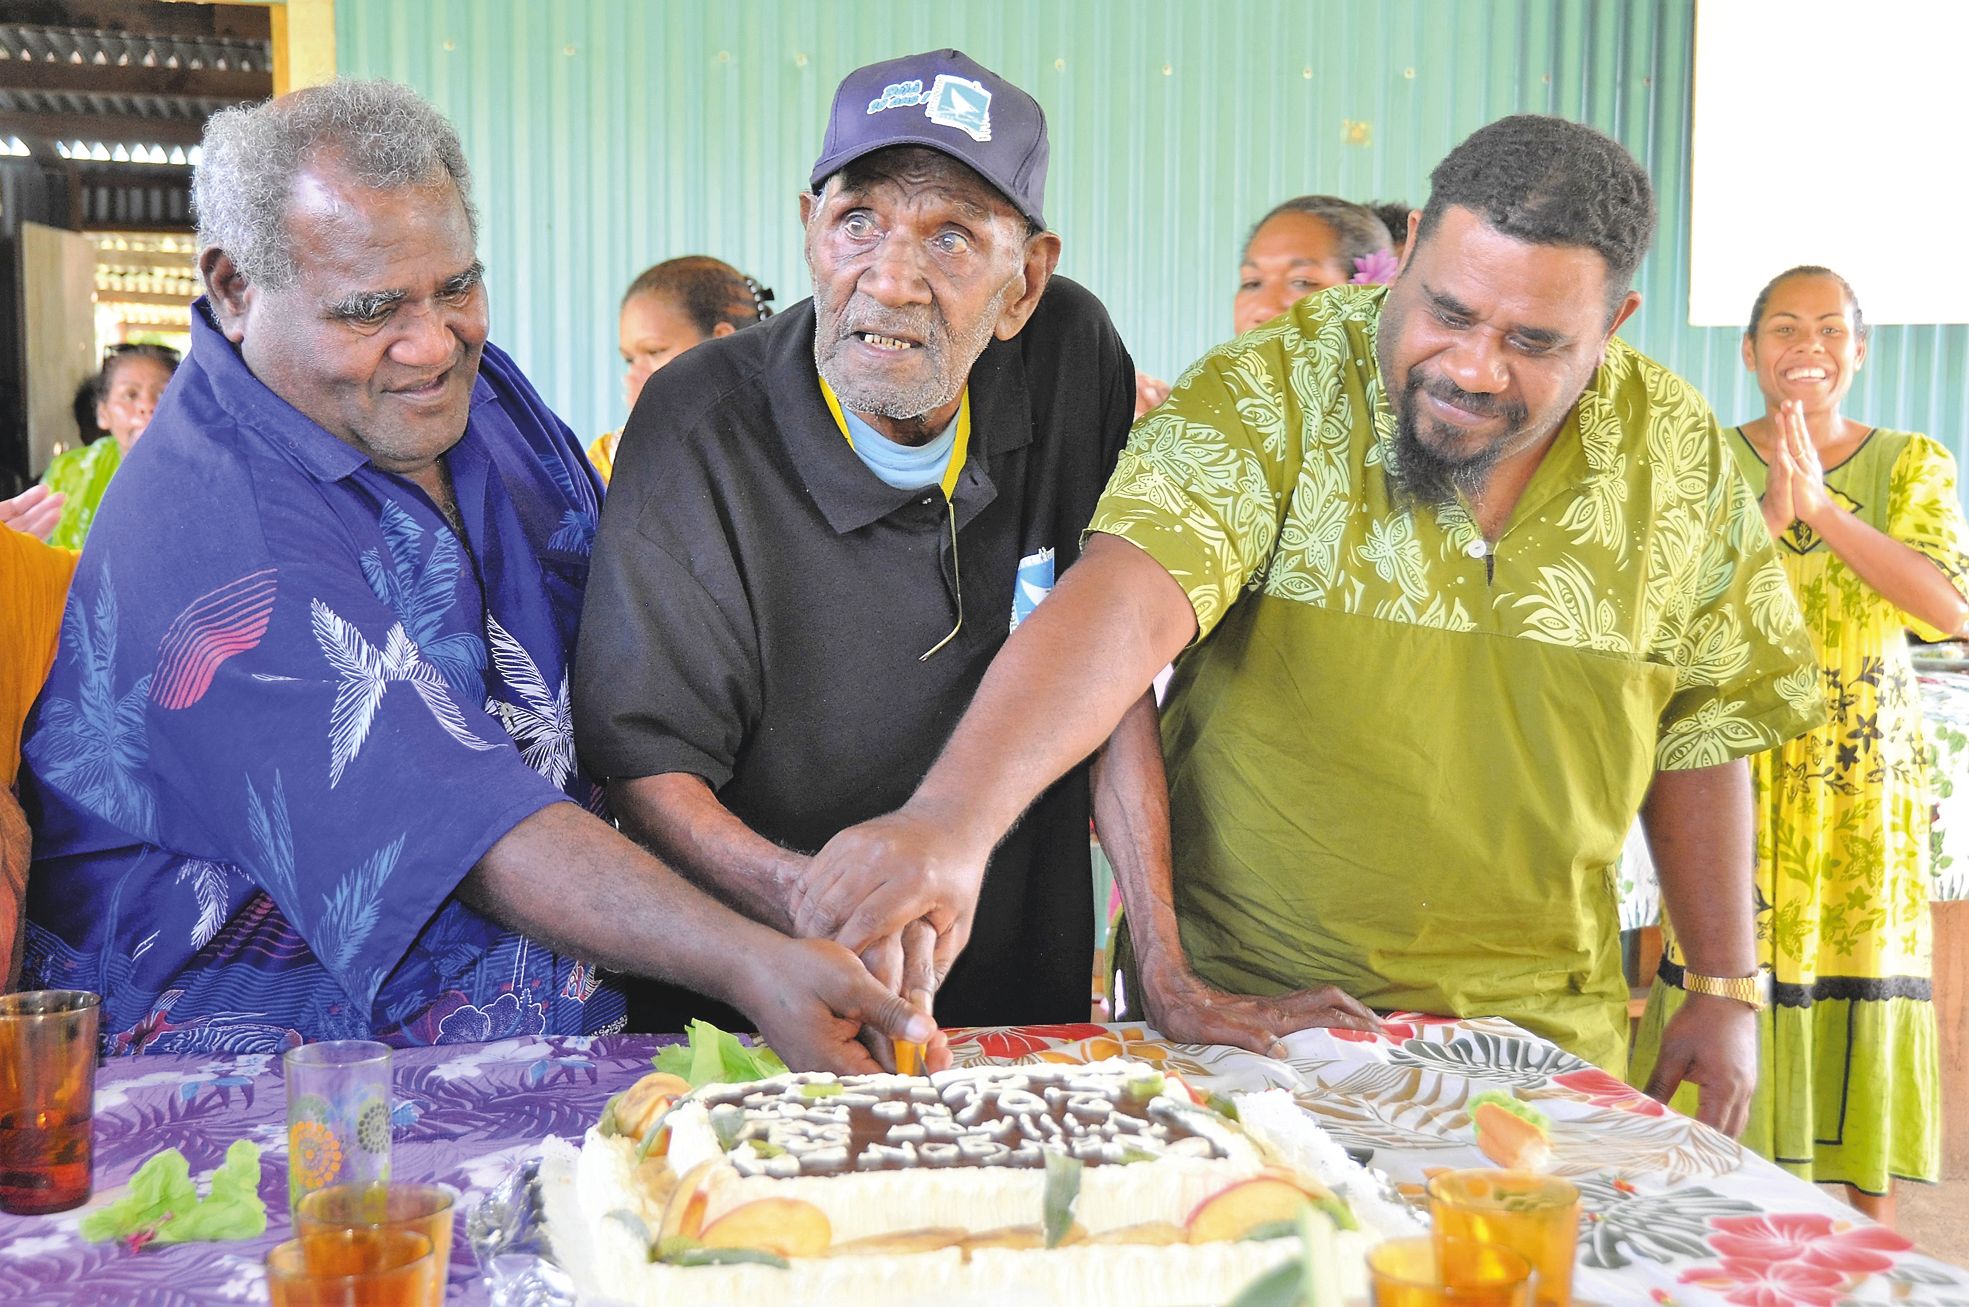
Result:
[[906, 467]]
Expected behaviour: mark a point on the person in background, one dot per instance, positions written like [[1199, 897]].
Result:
[[671, 307], [34, 511], [1394, 216], [1303, 246], [132, 380], [83, 408], [1872, 538], [303, 767], [33, 585], [1149, 391], [1465, 581], [1306, 245]]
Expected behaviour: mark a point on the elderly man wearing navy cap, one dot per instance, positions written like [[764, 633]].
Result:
[[821, 530]]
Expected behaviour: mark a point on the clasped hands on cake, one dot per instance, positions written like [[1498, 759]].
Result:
[[901, 890], [891, 890]]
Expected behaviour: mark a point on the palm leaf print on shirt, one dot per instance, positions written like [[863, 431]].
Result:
[[420, 591], [96, 745], [366, 675], [542, 723]]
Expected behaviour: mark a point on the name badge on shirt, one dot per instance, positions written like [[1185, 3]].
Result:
[[1035, 582]]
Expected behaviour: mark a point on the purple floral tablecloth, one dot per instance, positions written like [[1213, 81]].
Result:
[[465, 1116], [1675, 1214]]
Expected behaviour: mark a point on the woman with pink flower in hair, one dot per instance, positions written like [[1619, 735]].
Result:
[[1306, 245]]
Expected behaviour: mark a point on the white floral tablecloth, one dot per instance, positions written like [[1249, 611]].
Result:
[[1675, 1213]]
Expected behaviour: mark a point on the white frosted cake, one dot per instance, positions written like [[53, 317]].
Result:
[[869, 1190]]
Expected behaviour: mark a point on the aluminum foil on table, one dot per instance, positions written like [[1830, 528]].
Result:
[[508, 1234]]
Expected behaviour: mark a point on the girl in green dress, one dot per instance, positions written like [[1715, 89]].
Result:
[[127, 390], [1872, 539]]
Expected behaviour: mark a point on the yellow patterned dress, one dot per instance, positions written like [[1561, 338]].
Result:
[[1848, 1090], [1401, 760], [602, 453]]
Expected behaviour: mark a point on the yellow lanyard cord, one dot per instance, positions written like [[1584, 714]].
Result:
[[958, 448]]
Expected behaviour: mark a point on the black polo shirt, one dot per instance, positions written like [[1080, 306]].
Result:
[[759, 600]]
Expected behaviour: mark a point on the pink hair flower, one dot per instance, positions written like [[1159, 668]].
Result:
[[1376, 269]]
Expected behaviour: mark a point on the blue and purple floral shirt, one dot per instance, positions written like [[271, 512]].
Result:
[[291, 709]]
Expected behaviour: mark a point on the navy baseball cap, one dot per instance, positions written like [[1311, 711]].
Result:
[[951, 103]]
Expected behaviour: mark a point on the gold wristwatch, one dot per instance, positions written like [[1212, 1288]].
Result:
[[1753, 991]]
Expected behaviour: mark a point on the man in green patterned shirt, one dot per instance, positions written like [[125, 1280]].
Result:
[[1470, 582]]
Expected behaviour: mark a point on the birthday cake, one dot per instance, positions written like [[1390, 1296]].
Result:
[[1100, 1183]]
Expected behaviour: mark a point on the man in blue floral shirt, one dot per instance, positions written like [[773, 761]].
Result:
[[304, 768]]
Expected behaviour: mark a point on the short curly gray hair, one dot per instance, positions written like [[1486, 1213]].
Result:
[[381, 134]]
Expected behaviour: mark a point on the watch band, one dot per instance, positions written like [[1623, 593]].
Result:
[[1754, 991]]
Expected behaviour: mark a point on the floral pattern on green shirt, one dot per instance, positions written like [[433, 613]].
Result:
[[1636, 538]]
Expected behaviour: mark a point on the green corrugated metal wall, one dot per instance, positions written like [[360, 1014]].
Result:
[[607, 134]]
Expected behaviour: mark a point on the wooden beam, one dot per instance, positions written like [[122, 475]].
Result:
[[162, 226], [139, 297], [158, 259], [229, 84], [227, 22], [97, 172], [111, 128], [303, 44]]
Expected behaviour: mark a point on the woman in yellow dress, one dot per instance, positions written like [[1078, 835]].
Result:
[[670, 308], [1872, 538]]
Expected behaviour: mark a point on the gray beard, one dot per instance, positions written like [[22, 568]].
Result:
[[951, 356], [898, 403]]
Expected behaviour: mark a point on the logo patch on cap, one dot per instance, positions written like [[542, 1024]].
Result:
[[961, 103], [951, 101]]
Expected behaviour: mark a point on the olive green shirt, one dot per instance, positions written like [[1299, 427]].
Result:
[[1395, 769]]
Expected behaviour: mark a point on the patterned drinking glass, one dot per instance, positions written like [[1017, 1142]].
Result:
[[47, 1099], [1417, 1272], [338, 1115], [1535, 1215]]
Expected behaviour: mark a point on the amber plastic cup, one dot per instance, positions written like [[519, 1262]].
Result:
[[369, 1267], [1534, 1215], [1420, 1272], [424, 1208], [338, 1116], [47, 1099]]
